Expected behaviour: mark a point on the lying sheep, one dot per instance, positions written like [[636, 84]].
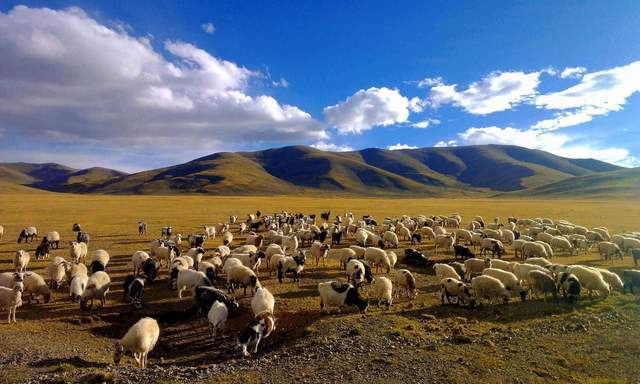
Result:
[[475, 266], [217, 317], [444, 271], [337, 294], [190, 279], [99, 261], [257, 329], [97, 288], [77, 251], [590, 279], [382, 291], [11, 299], [140, 339], [456, 292], [243, 276], [541, 283], [510, 281], [406, 284], [262, 301], [21, 260], [77, 286], [490, 289], [36, 287]]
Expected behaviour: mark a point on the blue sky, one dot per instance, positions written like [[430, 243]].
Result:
[[130, 86]]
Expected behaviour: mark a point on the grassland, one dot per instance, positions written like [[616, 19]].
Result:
[[419, 341]]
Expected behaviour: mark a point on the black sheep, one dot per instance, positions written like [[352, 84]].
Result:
[[463, 252], [413, 257], [206, 296]]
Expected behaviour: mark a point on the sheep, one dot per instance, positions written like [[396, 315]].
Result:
[[257, 329], [290, 243], [319, 251], [251, 260], [99, 260], [629, 244], [357, 272], [210, 270], [445, 241], [510, 281], [77, 251], [21, 260], [489, 288], [254, 239], [230, 263], [378, 258], [614, 281], [11, 299], [165, 253], [10, 279], [247, 248], [262, 301], [293, 264], [541, 261], [338, 294], [140, 339], [52, 238], [196, 253], [403, 233], [243, 276], [517, 246], [28, 234], [56, 271], [493, 245], [189, 279], [591, 280], [631, 280], [43, 250], [406, 284], [204, 298], [502, 264], [541, 283], [444, 271], [521, 270], [359, 251], [462, 251], [242, 228], [227, 238], [209, 231], [495, 234], [82, 237], [142, 228], [533, 249], [36, 287], [455, 289], [382, 290], [138, 258], [97, 288], [217, 317], [72, 269], [544, 236], [561, 243], [603, 232], [77, 286], [508, 236], [459, 267], [475, 266], [547, 248], [133, 290], [176, 239], [570, 286]]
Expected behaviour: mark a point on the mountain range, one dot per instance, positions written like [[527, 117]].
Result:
[[482, 170]]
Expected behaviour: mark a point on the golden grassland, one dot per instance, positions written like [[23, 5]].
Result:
[[77, 340]]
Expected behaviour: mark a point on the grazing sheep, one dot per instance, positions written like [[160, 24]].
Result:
[[533, 249], [444, 271], [359, 251], [227, 238], [82, 237], [475, 266], [510, 281], [502, 264], [614, 281], [456, 292], [521, 270], [391, 239], [272, 249], [561, 243], [342, 255], [247, 248], [490, 289], [462, 251], [196, 253], [190, 279], [377, 257], [257, 329], [243, 276], [28, 234], [631, 280], [338, 294], [413, 257], [10, 279], [382, 291], [77, 285], [406, 284], [140, 339], [591, 280], [251, 260], [262, 301], [42, 251], [294, 264], [72, 269], [547, 248], [166, 253], [21, 260], [209, 270], [97, 288], [53, 239], [99, 260], [541, 283], [56, 271], [230, 263], [445, 241], [36, 287], [570, 286], [493, 245], [138, 258], [142, 228], [206, 296], [541, 261], [517, 246], [11, 299], [629, 244], [608, 250], [319, 251], [393, 258], [77, 251], [133, 290], [217, 317]]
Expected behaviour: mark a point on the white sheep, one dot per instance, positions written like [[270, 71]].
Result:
[[56, 271], [243, 276], [445, 241], [502, 264], [251, 260], [359, 251], [11, 299], [209, 231], [533, 249], [475, 266], [630, 243], [541, 261], [36, 287], [140, 339], [342, 255], [262, 301], [444, 271], [561, 243], [614, 281], [217, 317], [591, 279], [97, 288], [547, 248], [402, 232], [230, 263], [196, 253], [541, 283], [319, 251], [510, 281], [290, 243], [99, 260], [77, 286], [77, 251], [72, 269], [293, 264], [21, 260], [53, 238], [247, 248], [490, 289], [382, 291], [377, 257], [138, 258], [521, 270], [190, 279], [406, 284]]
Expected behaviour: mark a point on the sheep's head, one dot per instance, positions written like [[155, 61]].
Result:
[[118, 351]]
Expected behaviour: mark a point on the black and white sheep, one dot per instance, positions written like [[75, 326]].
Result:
[[190, 279], [256, 330], [294, 264], [28, 234], [242, 276], [456, 292], [133, 290], [204, 298], [99, 261], [338, 294]]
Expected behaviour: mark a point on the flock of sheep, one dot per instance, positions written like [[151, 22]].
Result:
[[283, 243]]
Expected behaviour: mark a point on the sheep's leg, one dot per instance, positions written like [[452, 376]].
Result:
[[255, 348]]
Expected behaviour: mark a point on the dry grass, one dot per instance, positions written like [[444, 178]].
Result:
[[78, 339]]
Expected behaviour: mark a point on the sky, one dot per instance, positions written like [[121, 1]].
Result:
[[133, 86]]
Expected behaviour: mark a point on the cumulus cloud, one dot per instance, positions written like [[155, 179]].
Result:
[[67, 78], [497, 92], [399, 146], [331, 147], [208, 28], [574, 72], [429, 82], [366, 109]]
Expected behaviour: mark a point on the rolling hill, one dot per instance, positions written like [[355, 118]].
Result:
[[453, 171]]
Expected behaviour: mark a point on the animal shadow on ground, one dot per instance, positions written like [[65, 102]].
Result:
[[75, 361]]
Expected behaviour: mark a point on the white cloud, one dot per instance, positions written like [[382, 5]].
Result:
[[417, 104], [208, 28], [443, 143], [67, 78], [399, 146], [558, 144], [282, 83], [572, 72], [425, 123], [497, 92], [366, 109], [429, 82], [331, 147]]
